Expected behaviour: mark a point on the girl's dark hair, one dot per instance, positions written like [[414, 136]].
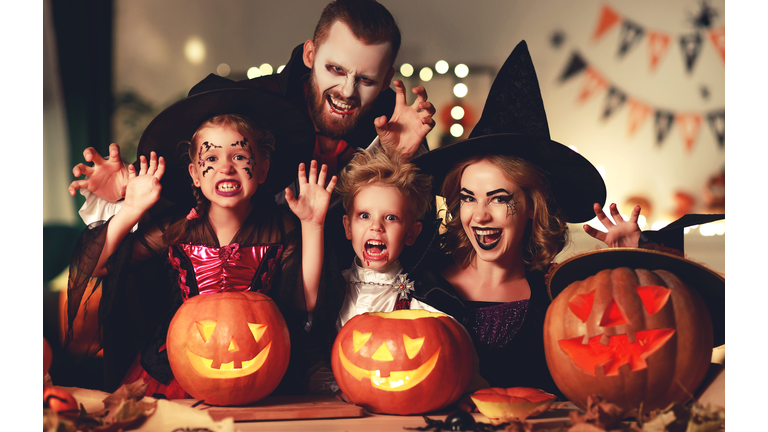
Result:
[[545, 235], [264, 144]]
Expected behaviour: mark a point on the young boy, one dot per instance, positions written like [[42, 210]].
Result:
[[384, 199]]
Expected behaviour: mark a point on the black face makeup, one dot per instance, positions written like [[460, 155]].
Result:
[[204, 148], [210, 168], [494, 197]]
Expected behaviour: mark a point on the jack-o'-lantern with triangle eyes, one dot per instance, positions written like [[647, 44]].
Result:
[[633, 336], [229, 348], [402, 362]]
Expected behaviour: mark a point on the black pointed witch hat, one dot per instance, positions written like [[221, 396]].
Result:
[[514, 123], [292, 128]]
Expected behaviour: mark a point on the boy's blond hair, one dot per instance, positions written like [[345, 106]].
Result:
[[385, 168]]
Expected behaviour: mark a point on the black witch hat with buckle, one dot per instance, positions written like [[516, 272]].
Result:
[[514, 123]]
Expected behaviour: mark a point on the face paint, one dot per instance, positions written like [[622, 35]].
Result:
[[207, 169]]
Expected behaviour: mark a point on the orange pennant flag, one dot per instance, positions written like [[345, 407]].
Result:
[[592, 83], [690, 125], [718, 38], [658, 44], [608, 18], [638, 112]]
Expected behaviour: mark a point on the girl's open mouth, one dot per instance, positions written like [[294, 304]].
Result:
[[228, 187]]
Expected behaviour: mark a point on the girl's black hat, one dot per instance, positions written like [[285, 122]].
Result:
[[292, 128]]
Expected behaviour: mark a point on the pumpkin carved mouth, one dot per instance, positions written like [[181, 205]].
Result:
[[397, 380], [227, 370]]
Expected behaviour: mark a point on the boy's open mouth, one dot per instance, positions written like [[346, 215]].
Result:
[[375, 250], [339, 107], [487, 238], [228, 187]]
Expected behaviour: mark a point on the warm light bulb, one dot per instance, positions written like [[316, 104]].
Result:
[[253, 72], [280, 68], [641, 221], [460, 90], [461, 70], [265, 69], [457, 112], [425, 74], [457, 130], [222, 70], [194, 50], [406, 70], [442, 67]]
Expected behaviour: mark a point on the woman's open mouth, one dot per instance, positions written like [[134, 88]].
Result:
[[228, 188], [487, 238]]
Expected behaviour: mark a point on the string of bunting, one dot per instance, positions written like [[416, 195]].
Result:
[[633, 33], [689, 123]]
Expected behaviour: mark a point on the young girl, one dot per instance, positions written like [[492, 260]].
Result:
[[234, 238]]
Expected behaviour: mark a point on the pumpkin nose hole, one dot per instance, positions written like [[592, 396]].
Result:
[[383, 354], [613, 316], [232, 346]]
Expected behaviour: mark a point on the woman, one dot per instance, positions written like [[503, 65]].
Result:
[[509, 190]]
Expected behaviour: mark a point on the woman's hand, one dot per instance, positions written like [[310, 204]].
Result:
[[621, 233], [312, 204], [107, 178], [144, 188]]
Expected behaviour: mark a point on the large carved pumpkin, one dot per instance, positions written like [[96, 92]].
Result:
[[402, 362], [632, 336], [229, 348]]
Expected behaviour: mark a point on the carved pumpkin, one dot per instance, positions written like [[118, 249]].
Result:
[[501, 405], [228, 348], [60, 401], [402, 362], [631, 336], [47, 357]]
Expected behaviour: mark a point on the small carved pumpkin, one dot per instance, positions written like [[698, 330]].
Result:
[[402, 362], [60, 401], [228, 348], [632, 336], [501, 405]]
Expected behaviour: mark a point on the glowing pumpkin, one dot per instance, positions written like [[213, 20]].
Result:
[[501, 405], [229, 348], [402, 362], [631, 336]]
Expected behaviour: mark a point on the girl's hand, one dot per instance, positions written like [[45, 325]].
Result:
[[144, 188], [409, 125], [312, 204], [620, 234]]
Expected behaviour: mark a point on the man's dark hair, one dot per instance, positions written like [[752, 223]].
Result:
[[368, 20]]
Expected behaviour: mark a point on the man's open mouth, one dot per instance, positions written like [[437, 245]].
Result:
[[487, 238], [228, 187], [339, 107]]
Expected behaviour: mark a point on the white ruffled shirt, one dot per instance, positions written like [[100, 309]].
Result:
[[365, 295]]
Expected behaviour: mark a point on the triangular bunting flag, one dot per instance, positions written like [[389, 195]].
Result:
[[718, 38], [608, 18], [631, 34], [690, 125], [614, 101], [638, 112], [658, 44], [717, 123], [592, 83], [691, 45], [576, 65], [664, 120]]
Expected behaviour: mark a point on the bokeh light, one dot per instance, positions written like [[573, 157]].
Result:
[[253, 72], [425, 74], [406, 70], [461, 70], [460, 90], [457, 130], [457, 112], [442, 67], [194, 50], [223, 70], [266, 69]]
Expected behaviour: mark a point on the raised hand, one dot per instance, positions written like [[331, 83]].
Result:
[[107, 178], [312, 204], [621, 233], [143, 189], [409, 125]]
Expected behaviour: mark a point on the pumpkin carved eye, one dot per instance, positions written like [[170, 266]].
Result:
[[654, 298], [359, 339], [257, 330], [206, 328], [412, 346]]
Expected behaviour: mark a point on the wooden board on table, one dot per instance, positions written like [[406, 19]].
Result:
[[282, 408]]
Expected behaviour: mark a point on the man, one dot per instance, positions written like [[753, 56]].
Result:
[[341, 77]]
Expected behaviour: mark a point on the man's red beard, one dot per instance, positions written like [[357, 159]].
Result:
[[330, 125]]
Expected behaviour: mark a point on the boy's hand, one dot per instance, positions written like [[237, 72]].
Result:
[[144, 188], [620, 234], [107, 178], [312, 204], [409, 125]]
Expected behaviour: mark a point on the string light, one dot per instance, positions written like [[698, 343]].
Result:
[[265, 69], [461, 70], [280, 68], [460, 90], [442, 67], [194, 50], [406, 70], [253, 72], [223, 70], [425, 74], [457, 112], [457, 130]]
